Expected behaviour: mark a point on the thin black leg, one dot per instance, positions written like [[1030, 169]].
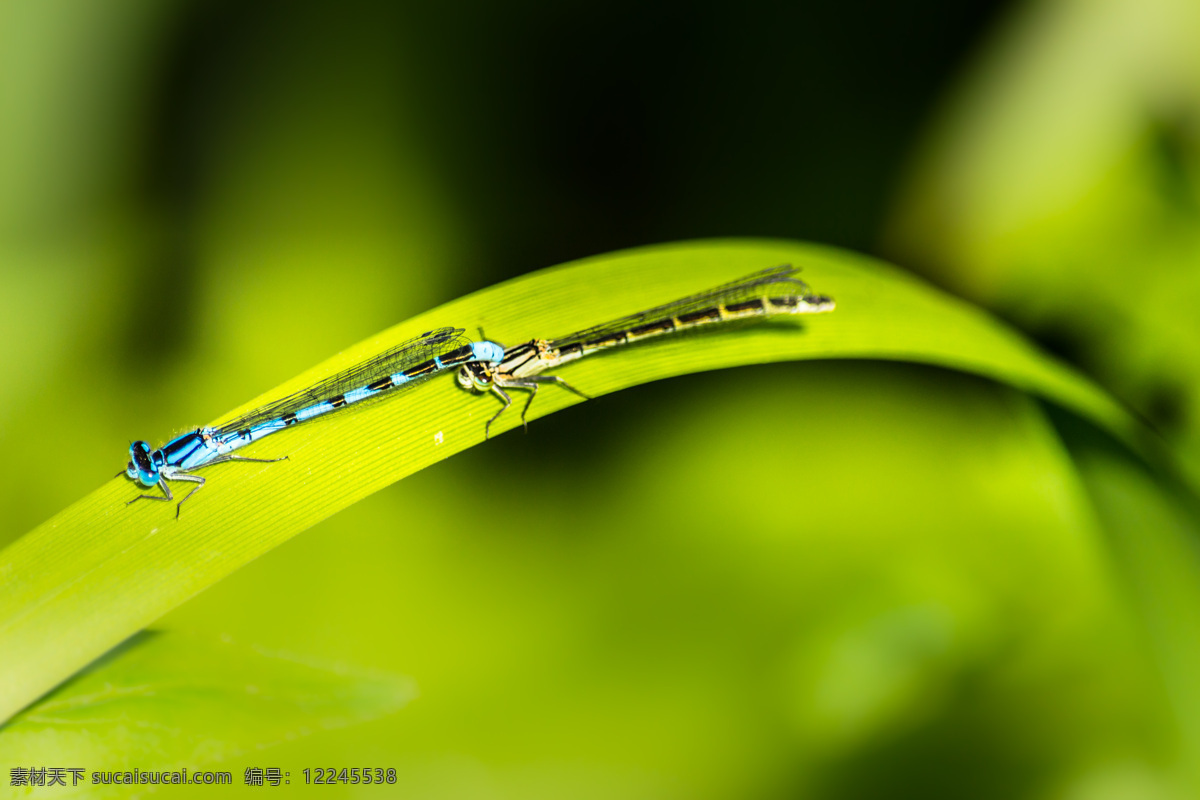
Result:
[[183, 476], [487, 429], [162, 484]]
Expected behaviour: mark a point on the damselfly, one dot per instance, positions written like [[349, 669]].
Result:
[[767, 293], [400, 367]]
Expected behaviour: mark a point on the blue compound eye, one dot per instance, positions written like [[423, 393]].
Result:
[[141, 464]]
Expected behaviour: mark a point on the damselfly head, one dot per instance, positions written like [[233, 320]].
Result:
[[816, 303], [475, 377], [142, 467]]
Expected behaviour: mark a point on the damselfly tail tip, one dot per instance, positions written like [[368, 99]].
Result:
[[817, 303]]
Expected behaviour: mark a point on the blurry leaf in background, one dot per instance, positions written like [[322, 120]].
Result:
[[1062, 187], [70, 81], [167, 701], [1152, 531], [829, 580]]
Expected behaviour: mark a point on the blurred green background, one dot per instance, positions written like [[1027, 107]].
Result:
[[830, 580]]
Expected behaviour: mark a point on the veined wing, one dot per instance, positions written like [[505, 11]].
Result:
[[756, 284], [404, 355]]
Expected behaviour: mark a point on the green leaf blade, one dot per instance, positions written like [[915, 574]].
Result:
[[99, 571], [188, 702]]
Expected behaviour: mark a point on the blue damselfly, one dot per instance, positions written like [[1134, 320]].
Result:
[[400, 367]]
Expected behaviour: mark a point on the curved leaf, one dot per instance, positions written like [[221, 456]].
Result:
[[99, 571], [188, 701]]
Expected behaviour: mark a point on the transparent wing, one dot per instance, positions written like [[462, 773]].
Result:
[[402, 356], [756, 284]]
